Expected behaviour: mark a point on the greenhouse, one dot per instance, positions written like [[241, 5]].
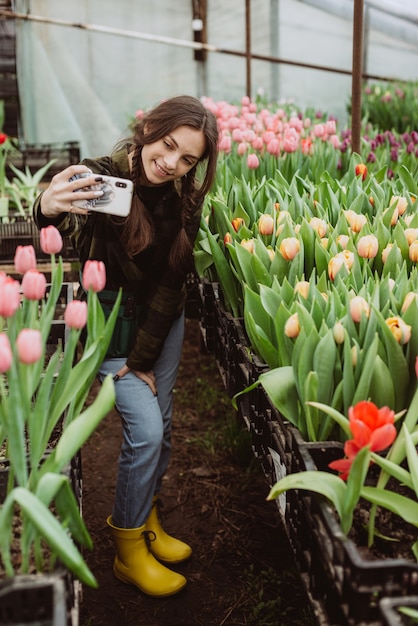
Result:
[[209, 313]]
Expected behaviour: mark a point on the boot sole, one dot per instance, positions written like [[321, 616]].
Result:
[[129, 581]]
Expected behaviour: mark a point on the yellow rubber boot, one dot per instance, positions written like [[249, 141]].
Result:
[[134, 564], [165, 547]]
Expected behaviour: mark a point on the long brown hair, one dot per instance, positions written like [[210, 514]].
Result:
[[160, 122]]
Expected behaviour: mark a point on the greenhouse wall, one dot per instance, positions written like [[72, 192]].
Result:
[[83, 84]]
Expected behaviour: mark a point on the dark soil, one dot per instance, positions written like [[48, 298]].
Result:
[[242, 571]]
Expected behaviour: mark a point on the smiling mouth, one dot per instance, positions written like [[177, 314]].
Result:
[[161, 170]]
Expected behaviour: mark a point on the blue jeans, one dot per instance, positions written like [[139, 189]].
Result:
[[146, 423]]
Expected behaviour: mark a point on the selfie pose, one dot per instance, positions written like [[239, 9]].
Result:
[[171, 160]]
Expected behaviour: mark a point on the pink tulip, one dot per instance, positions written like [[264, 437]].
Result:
[[225, 144], [242, 148], [94, 275], [51, 240], [416, 366], [9, 296], [252, 161], [5, 353], [75, 315], [29, 346], [34, 285], [368, 246], [25, 259]]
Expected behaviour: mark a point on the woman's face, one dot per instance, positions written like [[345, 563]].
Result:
[[173, 156]]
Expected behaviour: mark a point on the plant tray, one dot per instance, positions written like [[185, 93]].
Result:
[[38, 600], [391, 610], [22, 231]]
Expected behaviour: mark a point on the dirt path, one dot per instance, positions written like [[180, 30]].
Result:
[[242, 571]]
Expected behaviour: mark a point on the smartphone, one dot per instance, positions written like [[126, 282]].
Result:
[[116, 198]]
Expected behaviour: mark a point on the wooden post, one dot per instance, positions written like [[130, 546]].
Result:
[[357, 75], [248, 45]]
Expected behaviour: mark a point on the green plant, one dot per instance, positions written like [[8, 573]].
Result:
[[25, 186], [36, 394]]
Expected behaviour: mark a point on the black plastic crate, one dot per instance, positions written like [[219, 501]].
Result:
[[391, 610], [21, 230], [348, 585], [38, 600], [35, 155]]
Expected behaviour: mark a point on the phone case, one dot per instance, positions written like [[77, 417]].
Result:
[[116, 198]]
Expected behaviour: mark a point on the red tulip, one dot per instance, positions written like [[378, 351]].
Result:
[[51, 240], [33, 285], [25, 259], [29, 346], [94, 275], [361, 170], [75, 315], [5, 353]]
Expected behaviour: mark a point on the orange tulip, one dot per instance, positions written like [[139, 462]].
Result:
[[400, 330], [266, 225], [289, 248], [368, 246], [292, 328], [361, 170]]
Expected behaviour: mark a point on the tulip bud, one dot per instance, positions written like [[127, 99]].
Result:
[[24, 259], [9, 296], [292, 328], [266, 225], [358, 220], [227, 238], [400, 330], [368, 246], [354, 356], [34, 285], [50, 240], [342, 241], [302, 287], [94, 275], [29, 346], [400, 203], [75, 315], [6, 356], [358, 307], [271, 253], [318, 226], [361, 170], [248, 244], [289, 248], [411, 234], [339, 333], [410, 296], [413, 251], [385, 252], [252, 161], [237, 222]]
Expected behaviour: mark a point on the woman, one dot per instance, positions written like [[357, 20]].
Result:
[[148, 255]]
